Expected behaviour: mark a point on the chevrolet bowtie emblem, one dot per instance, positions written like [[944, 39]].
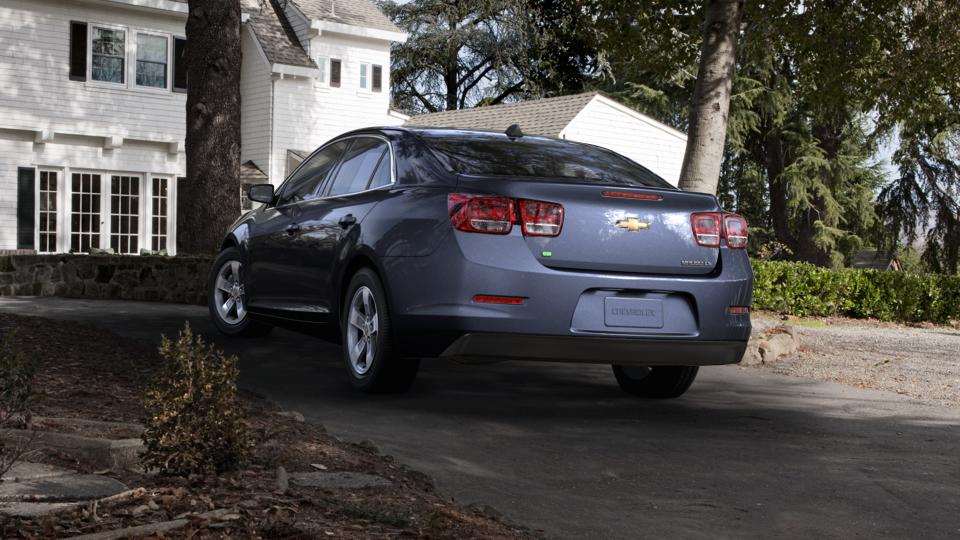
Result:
[[633, 224]]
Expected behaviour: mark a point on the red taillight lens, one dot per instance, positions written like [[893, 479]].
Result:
[[496, 215], [709, 228], [706, 229], [739, 310], [540, 218], [632, 195], [735, 231], [481, 213]]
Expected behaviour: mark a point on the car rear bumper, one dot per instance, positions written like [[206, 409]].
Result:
[[484, 348]]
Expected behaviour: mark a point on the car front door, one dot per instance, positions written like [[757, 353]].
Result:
[[275, 282]]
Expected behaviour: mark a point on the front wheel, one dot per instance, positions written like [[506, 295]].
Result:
[[655, 382], [372, 364], [227, 298]]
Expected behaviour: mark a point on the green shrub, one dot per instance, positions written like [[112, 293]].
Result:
[[16, 385], [804, 289], [194, 423]]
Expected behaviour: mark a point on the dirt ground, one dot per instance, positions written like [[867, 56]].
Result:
[[922, 361], [84, 372]]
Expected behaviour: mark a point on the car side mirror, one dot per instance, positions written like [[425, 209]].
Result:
[[262, 193]]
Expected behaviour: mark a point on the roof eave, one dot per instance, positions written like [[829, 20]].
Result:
[[159, 5], [321, 26], [287, 70]]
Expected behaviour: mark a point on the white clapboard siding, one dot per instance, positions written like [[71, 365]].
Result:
[[308, 113], [606, 123], [255, 89], [37, 93]]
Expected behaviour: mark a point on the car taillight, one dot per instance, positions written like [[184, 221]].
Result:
[[496, 215], [706, 229], [540, 218], [709, 228], [735, 231], [481, 214]]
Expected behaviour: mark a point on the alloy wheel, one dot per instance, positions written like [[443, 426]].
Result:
[[362, 327], [229, 295]]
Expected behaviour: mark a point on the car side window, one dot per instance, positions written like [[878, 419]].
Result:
[[358, 166], [303, 184], [383, 175]]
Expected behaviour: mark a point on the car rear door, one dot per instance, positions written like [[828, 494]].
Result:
[[362, 179]]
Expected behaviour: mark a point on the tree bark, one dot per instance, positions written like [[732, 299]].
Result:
[[209, 201], [711, 97]]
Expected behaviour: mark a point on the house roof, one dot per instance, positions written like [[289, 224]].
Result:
[[536, 117], [353, 12], [875, 259], [251, 174], [276, 36]]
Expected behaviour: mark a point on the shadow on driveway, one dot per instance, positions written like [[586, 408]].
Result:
[[560, 448]]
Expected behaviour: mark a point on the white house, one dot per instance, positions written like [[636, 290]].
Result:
[[92, 109], [590, 117]]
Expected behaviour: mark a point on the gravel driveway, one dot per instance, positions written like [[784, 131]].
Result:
[[923, 363]]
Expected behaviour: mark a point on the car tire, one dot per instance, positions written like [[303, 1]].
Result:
[[661, 382], [227, 300], [365, 327]]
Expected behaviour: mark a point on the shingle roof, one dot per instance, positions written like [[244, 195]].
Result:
[[251, 174], [536, 117], [276, 37], [353, 12]]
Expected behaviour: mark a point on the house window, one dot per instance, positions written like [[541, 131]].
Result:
[[363, 75], [322, 64], [85, 212], [335, 66], [125, 214], [48, 212], [152, 60], [108, 52], [377, 78], [158, 213]]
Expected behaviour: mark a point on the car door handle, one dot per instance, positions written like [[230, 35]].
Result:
[[347, 220], [292, 229]]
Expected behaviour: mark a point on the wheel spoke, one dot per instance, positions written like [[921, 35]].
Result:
[[367, 307], [241, 309], [374, 324], [223, 284], [227, 306], [235, 270], [356, 320], [358, 350], [370, 352]]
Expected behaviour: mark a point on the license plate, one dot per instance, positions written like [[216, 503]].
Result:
[[633, 312]]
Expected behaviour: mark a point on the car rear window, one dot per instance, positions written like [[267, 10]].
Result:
[[496, 155]]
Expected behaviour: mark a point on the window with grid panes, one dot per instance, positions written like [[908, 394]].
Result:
[[125, 214], [48, 212], [85, 212], [158, 213]]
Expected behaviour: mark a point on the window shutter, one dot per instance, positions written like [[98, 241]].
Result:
[[26, 194], [179, 65], [377, 78], [78, 51], [335, 73]]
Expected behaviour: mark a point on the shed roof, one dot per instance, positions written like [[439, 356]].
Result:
[[547, 116], [251, 174], [353, 12]]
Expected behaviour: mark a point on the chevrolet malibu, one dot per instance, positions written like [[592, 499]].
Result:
[[474, 246]]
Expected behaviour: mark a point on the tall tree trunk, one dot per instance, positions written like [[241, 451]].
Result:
[[774, 161], [711, 97], [209, 201]]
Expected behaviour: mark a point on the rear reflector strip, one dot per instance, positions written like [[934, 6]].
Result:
[[630, 195], [494, 299], [739, 310]]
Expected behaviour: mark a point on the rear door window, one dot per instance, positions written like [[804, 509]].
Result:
[[304, 183], [358, 166]]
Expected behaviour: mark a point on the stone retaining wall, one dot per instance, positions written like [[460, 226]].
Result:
[[160, 279]]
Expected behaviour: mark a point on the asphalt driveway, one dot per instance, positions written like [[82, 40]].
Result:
[[558, 447]]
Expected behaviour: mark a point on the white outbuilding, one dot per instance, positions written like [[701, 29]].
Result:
[[589, 117]]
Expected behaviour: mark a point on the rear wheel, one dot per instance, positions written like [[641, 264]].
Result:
[[372, 364], [655, 382], [227, 298]]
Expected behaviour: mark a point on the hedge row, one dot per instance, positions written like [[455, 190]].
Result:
[[804, 289]]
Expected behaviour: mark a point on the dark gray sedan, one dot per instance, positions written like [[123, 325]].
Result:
[[408, 243]]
